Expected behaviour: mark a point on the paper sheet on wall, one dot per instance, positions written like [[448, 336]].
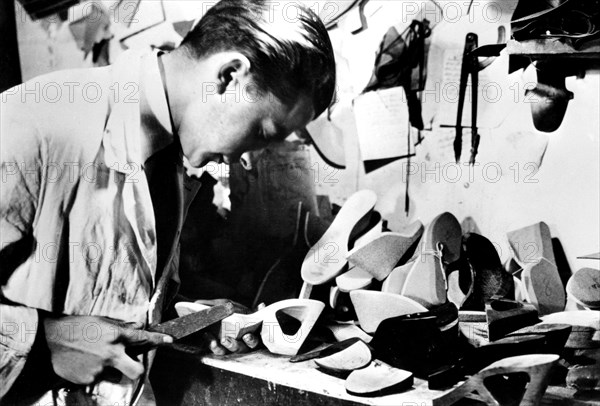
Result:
[[437, 147], [382, 124]]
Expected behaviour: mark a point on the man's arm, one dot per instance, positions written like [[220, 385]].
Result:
[[81, 347], [18, 326], [19, 148]]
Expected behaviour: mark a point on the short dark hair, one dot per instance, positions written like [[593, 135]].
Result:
[[289, 56]]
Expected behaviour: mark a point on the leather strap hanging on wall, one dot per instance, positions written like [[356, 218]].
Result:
[[400, 61]]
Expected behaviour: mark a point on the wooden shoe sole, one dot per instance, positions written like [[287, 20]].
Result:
[[373, 307], [583, 288], [378, 379], [355, 278], [380, 256], [531, 243], [358, 355], [426, 281], [326, 259], [544, 286], [394, 283]]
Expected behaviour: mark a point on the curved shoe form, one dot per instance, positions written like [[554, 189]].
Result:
[[531, 243], [354, 279], [326, 259], [373, 307], [455, 293], [374, 230], [460, 279], [344, 330], [544, 286], [478, 358], [440, 245], [283, 340], [380, 256], [493, 385], [583, 288], [490, 279], [532, 250], [394, 283], [357, 355], [283, 326], [378, 379]]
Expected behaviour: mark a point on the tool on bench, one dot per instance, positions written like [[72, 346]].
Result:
[[184, 326], [177, 328]]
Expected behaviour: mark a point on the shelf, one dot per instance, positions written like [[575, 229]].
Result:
[[574, 61]]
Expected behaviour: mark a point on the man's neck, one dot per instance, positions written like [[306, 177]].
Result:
[[157, 132]]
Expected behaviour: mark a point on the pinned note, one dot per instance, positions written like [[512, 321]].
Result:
[[382, 124]]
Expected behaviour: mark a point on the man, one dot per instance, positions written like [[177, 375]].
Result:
[[93, 197]]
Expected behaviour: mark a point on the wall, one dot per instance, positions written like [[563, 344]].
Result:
[[561, 189], [523, 176]]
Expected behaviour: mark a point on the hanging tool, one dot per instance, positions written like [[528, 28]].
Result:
[[470, 67]]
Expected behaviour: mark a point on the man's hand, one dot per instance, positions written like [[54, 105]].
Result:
[[81, 347], [229, 345]]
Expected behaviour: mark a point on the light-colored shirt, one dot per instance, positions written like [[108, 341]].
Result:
[[77, 226]]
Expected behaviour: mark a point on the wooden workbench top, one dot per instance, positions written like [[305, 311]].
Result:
[[303, 376], [266, 379], [278, 370]]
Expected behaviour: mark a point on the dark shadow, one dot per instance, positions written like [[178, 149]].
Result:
[[507, 389], [564, 270], [14, 254]]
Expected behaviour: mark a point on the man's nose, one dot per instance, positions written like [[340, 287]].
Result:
[[246, 161]]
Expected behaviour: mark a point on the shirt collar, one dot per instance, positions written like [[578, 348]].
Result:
[[136, 82]]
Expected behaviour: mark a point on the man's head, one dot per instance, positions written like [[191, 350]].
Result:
[[256, 71]]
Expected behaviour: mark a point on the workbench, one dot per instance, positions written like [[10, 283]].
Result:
[[260, 378]]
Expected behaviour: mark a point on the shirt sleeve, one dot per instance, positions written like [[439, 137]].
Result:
[[20, 172], [18, 328]]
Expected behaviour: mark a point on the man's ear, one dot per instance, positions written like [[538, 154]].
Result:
[[236, 67]]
